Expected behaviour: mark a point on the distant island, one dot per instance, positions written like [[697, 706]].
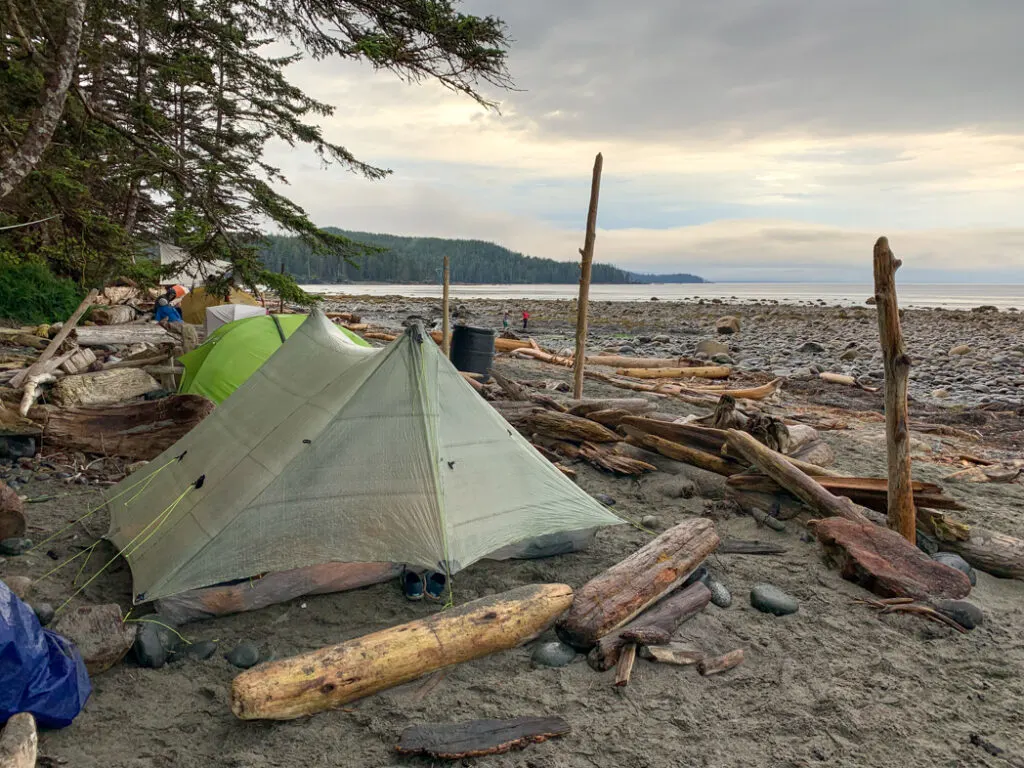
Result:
[[418, 260]]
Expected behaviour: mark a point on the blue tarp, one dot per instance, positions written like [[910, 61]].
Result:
[[40, 671]]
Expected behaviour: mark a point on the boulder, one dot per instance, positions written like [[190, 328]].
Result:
[[710, 347], [12, 513], [885, 563], [728, 325], [100, 634]]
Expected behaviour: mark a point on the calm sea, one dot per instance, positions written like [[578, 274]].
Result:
[[910, 295]]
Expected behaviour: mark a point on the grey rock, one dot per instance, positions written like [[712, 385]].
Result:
[[723, 359], [701, 574], [156, 640], [199, 651], [651, 521], [954, 560], [768, 598], [960, 349], [811, 348], [243, 655], [663, 339], [605, 499], [720, 594], [850, 354], [16, 546], [44, 612], [966, 614], [554, 654], [710, 347]]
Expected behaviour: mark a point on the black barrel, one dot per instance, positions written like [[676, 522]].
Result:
[[473, 349]]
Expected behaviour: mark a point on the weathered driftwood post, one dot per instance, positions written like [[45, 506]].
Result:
[[446, 335], [587, 252], [897, 372]]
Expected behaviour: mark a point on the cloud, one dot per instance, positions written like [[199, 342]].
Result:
[[744, 139]]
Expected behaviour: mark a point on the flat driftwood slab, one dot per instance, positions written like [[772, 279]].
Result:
[[475, 738]]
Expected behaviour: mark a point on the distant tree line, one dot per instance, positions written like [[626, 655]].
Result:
[[398, 259]]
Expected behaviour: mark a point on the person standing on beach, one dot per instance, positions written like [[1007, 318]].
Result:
[[526, 319], [505, 320]]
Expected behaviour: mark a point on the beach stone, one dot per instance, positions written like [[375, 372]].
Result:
[[720, 594], [663, 338], [768, 598], [21, 586], [554, 654], [243, 655], [722, 359], [954, 560], [940, 394], [100, 634], [960, 349], [44, 612], [15, 546], [15, 446], [966, 614], [710, 347], [199, 651], [701, 574], [811, 348], [848, 355], [156, 640], [605, 499], [650, 521], [728, 325], [871, 301], [12, 513]]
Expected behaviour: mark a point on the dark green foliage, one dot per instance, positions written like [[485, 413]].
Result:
[[30, 294], [418, 260]]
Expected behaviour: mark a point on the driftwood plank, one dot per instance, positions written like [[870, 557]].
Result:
[[476, 738]]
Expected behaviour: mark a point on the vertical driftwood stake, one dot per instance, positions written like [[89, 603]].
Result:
[[280, 303], [587, 253], [446, 335], [897, 372]]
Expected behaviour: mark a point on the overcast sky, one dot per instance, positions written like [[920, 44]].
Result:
[[742, 139]]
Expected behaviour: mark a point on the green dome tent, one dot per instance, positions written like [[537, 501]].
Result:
[[235, 351]]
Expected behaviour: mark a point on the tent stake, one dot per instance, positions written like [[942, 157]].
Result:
[[587, 252], [446, 335]]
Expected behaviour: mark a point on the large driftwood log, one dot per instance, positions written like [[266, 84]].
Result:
[[664, 617], [136, 431], [57, 340], [333, 676], [604, 458], [897, 375], [693, 435], [615, 597], [635, 405], [870, 492], [129, 333], [103, 387], [563, 426], [697, 372], [113, 315], [12, 513], [477, 738], [986, 550], [19, 742], [694, 456], [587, 255]]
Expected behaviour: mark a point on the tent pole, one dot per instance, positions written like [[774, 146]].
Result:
[[587, 252], [446, 336]]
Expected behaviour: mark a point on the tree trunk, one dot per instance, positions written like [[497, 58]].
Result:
[[897, 373], [44, 121], [331, 677], [613, 598], [587, 256]]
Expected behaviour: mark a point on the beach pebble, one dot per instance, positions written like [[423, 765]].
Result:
[[554, 654], [811, 348], [650, 521], [19, 585], [605, 499], [848, 355], [701, 574], [157, 639], [44, 612], [966, 614], [199, 650], [940, 394], [243, 655], [768, 598], [720, 594], [960, 349], [15, 546], [710, 347], [954, 560]]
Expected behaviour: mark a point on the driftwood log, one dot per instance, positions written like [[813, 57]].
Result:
[[697, 372], [624, 668], [12, 513], [564, 426], [19, 742], [717, 664], [622, 361], [139, 431], [870, 492], [333, 676], [604, 458], [56, 341], [477, 738], [897, 375], [989, 551], [618, 595], [128, 333], [677, 451], [587, 260], [113, 315], [673, 653], [103, 387], [665, 618]]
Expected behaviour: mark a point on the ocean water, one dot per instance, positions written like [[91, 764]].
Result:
[[845, 294]]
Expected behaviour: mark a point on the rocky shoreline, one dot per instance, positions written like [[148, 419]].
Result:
[[964, 358]]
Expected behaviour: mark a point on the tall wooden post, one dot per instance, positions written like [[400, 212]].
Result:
[[897, 372], [280, 305], [587, 252], [446, 337]]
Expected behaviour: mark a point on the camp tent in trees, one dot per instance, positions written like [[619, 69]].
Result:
[[337, 453], [235, 351]]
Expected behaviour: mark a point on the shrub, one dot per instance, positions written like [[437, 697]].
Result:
[[31, 294]]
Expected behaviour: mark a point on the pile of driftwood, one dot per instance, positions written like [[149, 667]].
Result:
[[94, 378]]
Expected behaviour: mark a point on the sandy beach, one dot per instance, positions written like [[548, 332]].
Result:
[[834, 684]]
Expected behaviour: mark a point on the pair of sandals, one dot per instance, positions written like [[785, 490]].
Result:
[[416, 585]]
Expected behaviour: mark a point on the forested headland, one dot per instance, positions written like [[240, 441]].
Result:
[[399, 259]]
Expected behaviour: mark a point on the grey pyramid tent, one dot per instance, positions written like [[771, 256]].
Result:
[[337, 453]]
